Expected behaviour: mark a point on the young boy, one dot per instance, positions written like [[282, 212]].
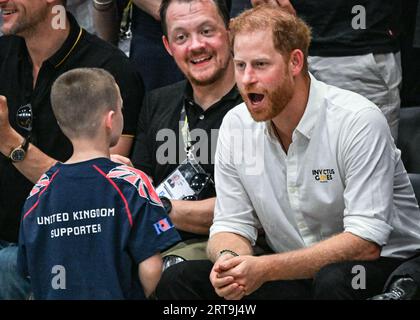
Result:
[[92, 228]]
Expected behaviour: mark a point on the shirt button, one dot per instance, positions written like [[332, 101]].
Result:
[[201, 117], [190, 103], [292, 189]]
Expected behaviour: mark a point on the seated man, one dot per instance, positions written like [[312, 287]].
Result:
[[185, 117], [96, 239], [329, 188]]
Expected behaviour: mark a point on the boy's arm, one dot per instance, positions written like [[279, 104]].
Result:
[[150, 271]]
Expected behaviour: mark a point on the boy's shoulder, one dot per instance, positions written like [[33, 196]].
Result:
[[44, 181], [132, 179]]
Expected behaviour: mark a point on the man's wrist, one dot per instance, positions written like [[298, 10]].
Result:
[[102, 5], [167, 204], [9, 141]]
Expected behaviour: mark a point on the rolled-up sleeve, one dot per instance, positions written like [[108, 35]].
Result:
[[368, 157], [234, 211]]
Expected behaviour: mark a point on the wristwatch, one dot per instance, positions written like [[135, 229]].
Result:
[[19, 153], [167, 204]]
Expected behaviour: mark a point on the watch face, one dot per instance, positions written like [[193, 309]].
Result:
[[17, 155]]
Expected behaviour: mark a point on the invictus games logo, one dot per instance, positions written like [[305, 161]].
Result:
[[323, 175]]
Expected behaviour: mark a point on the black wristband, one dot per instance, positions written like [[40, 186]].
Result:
[[167, 204]]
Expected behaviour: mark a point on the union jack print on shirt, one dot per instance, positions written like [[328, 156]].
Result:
[[139, 180], [41, 184]]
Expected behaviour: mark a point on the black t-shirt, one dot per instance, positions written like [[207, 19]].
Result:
[[80, 49], [332, 31]]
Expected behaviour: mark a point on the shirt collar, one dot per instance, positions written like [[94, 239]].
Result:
[[58, 58], [311, 114], [189, 96]]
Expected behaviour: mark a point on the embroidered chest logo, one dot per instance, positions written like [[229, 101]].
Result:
[[323, 175]]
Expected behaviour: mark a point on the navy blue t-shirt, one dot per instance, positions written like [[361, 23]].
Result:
[[85, 228]]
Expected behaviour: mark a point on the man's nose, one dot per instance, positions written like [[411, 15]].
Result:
[[248, 76], [197, 43]]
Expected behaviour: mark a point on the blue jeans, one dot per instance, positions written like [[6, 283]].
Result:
[[12, 285]]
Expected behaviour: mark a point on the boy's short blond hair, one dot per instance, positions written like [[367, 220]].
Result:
[[79, 97]]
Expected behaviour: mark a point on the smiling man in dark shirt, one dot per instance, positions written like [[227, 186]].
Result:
[[195, 34], [33, 54]]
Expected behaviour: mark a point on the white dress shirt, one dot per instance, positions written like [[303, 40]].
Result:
[[342, 172]]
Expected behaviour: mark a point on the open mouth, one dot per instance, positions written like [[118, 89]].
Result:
[[200, 60], [255, 98], [7, 12]]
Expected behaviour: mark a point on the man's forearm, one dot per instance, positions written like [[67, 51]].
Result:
[[227, 241], [305, 263], [149, 6], [106, 22], [35, 163], [193, 216]]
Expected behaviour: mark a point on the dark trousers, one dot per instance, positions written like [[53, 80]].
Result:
[[189, 280], [410, 268]]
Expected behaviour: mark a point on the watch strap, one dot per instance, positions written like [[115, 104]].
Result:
[[25, 143]]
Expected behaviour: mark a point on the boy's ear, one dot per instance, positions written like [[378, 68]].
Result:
[[109, 119]]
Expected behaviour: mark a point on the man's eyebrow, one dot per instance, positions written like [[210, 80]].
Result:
[[178, 29], [205, 22], [208, 21]]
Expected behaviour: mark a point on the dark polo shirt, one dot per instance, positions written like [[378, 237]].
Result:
[[159, 134], [80, 49], [161, 112]]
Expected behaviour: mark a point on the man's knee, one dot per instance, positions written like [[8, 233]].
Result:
[[333, 282], [8, 260], [171, 278], [12, 284], [180, 280]]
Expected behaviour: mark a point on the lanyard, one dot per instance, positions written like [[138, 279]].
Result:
[[185, 131]]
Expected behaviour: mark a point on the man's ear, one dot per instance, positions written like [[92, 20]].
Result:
[[166, 44], [296, 61]]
